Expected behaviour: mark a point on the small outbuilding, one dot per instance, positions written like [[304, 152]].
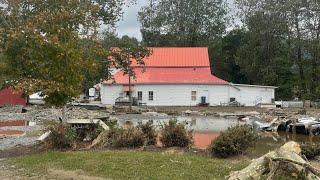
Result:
[[10, 97], [181, 77]]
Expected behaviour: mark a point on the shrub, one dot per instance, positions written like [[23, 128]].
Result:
[[235, 140], [149, 133], [125, 138], [62, 136], [310, 150], [174, 134]]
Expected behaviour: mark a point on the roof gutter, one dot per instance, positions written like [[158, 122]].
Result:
[[249, 85]]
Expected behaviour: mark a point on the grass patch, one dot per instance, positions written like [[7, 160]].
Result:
[[132, 164]]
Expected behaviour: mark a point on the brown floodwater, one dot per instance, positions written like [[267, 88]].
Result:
[[202, 140], [267, 142]]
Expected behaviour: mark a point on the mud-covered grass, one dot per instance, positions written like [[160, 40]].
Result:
[[131, 164]]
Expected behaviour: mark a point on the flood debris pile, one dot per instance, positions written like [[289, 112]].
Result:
[[143, 136], [125, 137], [286, 161], [299, 122], [87, 123]]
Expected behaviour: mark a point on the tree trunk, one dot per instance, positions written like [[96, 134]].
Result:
[[315, 66], [269, 164], [299, 59]]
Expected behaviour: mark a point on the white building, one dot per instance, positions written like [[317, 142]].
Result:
[[181, 77]]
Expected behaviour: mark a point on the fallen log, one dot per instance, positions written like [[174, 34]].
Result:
[[287, 158], [306, 165], [99, 141]]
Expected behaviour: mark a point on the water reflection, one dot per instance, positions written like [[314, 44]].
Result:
[[271, 141], [208, 128], [195, 123], [205, 128], [203, 139]]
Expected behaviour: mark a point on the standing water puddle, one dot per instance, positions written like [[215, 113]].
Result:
[[205, 128], [203, 139]]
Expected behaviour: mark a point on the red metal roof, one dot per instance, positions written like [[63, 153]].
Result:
[[168, 76], [179, 65], [177, 57]]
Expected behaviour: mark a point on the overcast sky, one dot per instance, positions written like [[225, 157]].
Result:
[[129, 25]]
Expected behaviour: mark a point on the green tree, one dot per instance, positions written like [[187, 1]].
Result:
[[48, 44], [126, 53], [264, 58], [101, 69], [224, 54], [283, 45], [182, 23]]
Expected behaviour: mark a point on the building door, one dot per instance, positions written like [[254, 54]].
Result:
[[204, 98]]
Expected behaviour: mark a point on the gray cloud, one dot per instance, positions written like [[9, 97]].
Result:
[[129, 25]]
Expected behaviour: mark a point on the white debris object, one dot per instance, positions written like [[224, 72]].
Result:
[[44, 136]]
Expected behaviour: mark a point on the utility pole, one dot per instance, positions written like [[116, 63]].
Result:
[[130, 96]]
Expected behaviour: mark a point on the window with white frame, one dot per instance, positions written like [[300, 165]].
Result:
[[193, 95], [150, 95], [140, 95]]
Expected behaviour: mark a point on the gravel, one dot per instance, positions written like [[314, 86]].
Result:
[[11, 142]]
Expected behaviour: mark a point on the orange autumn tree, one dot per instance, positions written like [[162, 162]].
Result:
[[42, 43]]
